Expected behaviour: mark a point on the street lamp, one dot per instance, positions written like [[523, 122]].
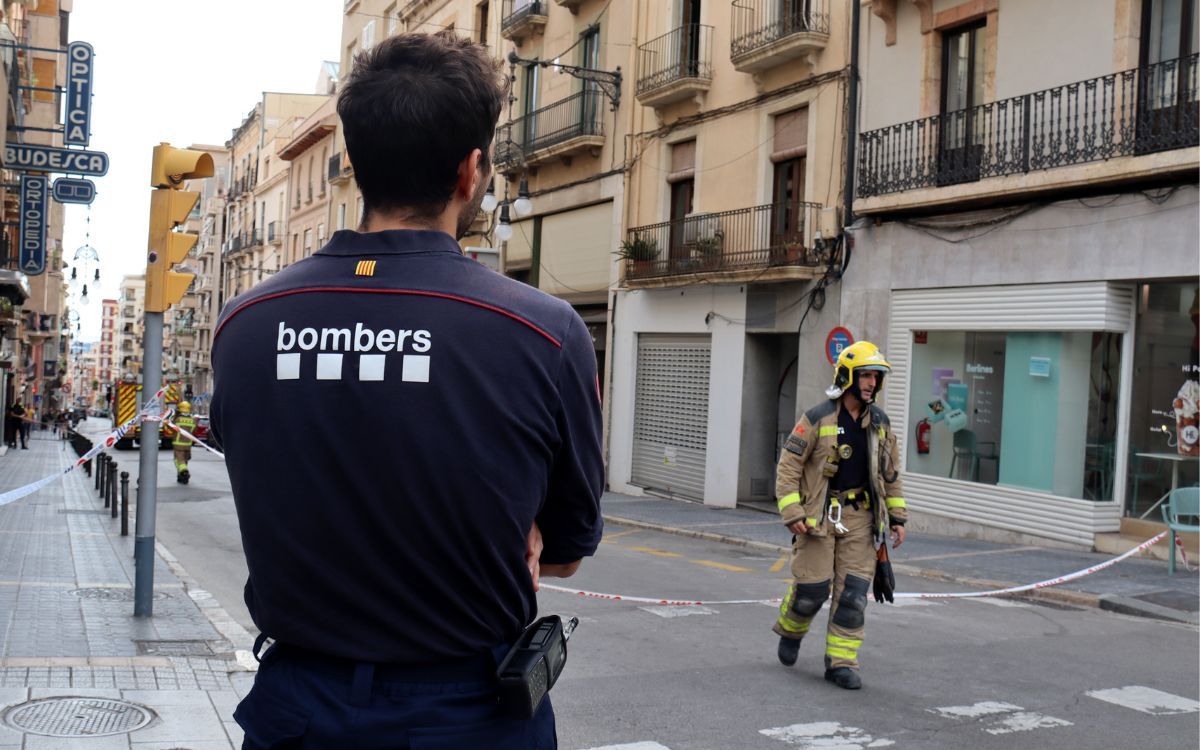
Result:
[[523, 206]]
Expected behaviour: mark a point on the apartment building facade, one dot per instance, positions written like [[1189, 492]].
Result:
[[33, 349], [130, 326], [205, 292], [731, 243], [1027, 237], [308, 192]]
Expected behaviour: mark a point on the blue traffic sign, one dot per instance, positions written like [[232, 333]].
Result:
[[28, 157], [72, 190], [837, 340]]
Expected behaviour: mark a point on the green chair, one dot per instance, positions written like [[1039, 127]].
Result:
[[968, 449], [1183, 502]]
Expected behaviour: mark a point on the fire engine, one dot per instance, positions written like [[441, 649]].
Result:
[[126, 402]]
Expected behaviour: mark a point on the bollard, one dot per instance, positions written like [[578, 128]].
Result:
[[87, 466], [110, 496], [124, 503], [104, 459], [100, 462]]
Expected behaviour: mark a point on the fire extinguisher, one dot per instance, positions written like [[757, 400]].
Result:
[[923, 434]]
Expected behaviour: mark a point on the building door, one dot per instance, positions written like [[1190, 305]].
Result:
[[962, 91], [529, 107], [670, 414], [681, 206], [787, 211], [1167, 85], [689, 39]]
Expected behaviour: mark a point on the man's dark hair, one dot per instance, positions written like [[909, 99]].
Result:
[[414, 107]]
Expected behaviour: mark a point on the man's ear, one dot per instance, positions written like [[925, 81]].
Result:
[[468, 175]]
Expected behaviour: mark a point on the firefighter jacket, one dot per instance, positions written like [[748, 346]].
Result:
[[801, 483], [188, 423]]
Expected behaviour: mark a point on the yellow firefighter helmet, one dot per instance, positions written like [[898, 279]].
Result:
[[858, 357], [185, 407]]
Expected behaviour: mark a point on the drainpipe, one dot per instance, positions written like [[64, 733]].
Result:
[[852, 117]]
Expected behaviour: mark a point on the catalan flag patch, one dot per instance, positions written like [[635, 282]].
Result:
[[365, 268]]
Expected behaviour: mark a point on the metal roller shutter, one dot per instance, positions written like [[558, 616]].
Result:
[[670, 417]]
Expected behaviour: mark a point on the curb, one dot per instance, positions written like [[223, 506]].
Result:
[[1071, 597]]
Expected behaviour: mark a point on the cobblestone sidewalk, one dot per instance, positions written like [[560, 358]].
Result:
[[77, 669]]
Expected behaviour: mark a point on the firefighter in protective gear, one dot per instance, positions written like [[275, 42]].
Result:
[[839, 492], [181, 443]]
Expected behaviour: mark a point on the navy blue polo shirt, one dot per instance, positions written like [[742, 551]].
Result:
[[395, 416]]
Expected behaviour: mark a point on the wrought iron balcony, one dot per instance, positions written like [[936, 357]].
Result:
[[773, 242], [767, 33], [521, 18], [1131, 113], [675, 66], [559, 130], [339, 171]]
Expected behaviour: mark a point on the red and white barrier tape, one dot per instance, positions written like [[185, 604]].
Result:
[[150, 407], [906, 595], [1187, 565], [194, 439]]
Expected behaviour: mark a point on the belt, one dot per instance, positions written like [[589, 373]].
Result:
[[480, 668], [859, 496]]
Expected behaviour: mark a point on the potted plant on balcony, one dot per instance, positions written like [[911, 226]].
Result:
[[640, 251], [708, 251]]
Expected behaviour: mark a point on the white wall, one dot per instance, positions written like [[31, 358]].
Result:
[[684, 310], [891, 76]]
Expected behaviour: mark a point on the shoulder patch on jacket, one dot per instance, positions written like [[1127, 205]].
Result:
[[878, 416], [820, 411]]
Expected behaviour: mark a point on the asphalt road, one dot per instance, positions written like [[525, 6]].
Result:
[[979, 673]]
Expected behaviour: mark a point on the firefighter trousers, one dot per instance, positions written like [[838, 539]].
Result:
[[843, 566], [183, 454]]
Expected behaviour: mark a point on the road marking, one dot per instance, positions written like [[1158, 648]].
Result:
[[655, 552], [825, 734], [619, 534], [1012, 718], [1147, 700], [974, 711], [778, 566], [669, 611], [633, 746], [722, 566], [1026, 721]]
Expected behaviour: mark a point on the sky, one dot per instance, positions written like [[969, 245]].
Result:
[[181, 72]]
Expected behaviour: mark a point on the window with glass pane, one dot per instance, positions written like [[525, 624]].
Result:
[[1033, 410]]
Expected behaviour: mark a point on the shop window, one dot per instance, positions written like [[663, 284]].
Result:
[[1163, 428], [1032, 410]]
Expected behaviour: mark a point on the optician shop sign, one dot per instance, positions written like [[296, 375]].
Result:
[[33, 224], [77, 121]]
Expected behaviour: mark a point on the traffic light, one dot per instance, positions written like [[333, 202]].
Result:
[[169, 207]]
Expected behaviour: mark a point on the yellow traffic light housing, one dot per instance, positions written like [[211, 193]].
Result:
[[164, 286], [169, 207], [171, 166]]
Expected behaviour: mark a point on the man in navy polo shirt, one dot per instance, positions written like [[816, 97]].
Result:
[[411, 437]]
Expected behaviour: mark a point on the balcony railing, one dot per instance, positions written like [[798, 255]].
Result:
[[758, 24], [779, 234], [576, 116], [519, 16], [1138, 111], [684, 54]]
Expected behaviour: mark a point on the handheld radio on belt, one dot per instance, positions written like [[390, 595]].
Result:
[[533, 665]]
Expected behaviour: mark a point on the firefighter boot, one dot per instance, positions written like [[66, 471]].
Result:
[[843, 677], [183, 476], [789, 649]]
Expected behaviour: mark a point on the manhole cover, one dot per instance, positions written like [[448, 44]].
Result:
[[113, 594], [174, 648], [77, 717]]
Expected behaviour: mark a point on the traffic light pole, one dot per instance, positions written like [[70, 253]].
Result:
[[143, 545]]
